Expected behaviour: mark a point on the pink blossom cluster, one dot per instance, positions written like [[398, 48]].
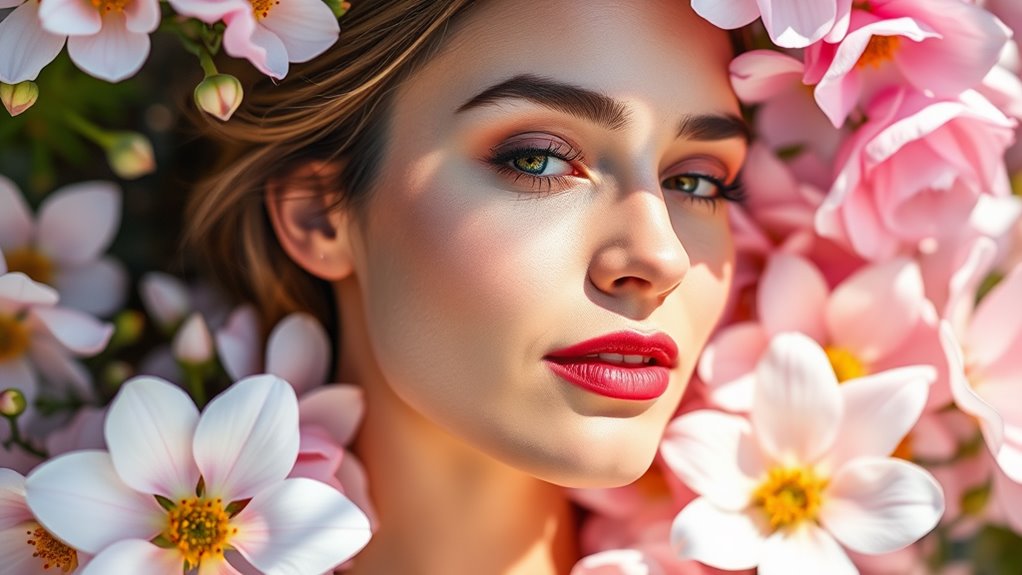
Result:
[[874, 332]]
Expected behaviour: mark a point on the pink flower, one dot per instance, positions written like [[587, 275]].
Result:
[[108, 39], [63, 245], [331, 416], [915, 171], [269, 33], [985, 348], [297, 350], [940, 47], [787, 117], [25, 47], [809, 474], [790, 23], [793, 296], [38, 336], [176, 474], [26, 547]]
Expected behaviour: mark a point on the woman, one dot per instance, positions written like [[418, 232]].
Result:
[[516, 212]]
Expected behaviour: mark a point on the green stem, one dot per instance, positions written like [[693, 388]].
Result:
[[17, 439], [206, 61], [89, 130], [196, 383]]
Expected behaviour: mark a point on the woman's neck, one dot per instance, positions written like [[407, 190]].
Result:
[[443, 507]]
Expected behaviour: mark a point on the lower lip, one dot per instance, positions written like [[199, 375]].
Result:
[[614, 380]]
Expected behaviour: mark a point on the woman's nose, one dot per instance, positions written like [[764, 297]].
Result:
[[640, 255]]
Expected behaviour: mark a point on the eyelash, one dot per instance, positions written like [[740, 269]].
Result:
[[501, 161]]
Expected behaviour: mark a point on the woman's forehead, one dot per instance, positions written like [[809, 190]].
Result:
[[657, 50]]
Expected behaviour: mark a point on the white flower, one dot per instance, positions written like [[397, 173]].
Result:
[[809, 474], [197, 485]]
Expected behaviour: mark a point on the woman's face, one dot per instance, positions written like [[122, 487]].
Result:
[[554, 176]]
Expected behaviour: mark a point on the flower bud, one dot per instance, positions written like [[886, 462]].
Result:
[[193, 343], [219, 95], [18, 97], [130, 155], [12, 402]]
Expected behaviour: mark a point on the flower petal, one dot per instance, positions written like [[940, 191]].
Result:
[[26, 47], [79, 332], [722, 539], [13, 509], [338, 408], [16, 224], [728, 365], [96, 288], [307, 28], [791, 297], [244, 38], [165, 298], [298, 350], [69, 17], [617, 562], [797, 23], [149, 431], [880, 410], [143, 16], [17, 290], [879, 505], [115, 53], [84, 484], [136, 556], [300, 525], [807, 550], [247, 438], [888, 294], [16, 554], [997, 324], [238, 343], [990, 421], [78, 222], [716, 455], [727, 14], [217, 567], [797, 407]]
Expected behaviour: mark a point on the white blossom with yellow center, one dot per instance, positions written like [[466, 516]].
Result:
[[177, 489], [809, 473]]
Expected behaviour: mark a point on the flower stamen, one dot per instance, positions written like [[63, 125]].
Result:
[[789, 496], [108, 6], [32, 263], [846, 365], [261, 8], [13, 338], [879, 50], [199, 528], [51, 551]]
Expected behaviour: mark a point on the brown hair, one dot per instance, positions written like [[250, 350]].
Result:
[[334, 107]]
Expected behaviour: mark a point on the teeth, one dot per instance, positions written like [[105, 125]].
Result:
[[622, 359]]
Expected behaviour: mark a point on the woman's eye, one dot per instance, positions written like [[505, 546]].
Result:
[[536, 164], [694, 185]]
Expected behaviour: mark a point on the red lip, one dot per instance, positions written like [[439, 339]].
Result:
[[637, 381]]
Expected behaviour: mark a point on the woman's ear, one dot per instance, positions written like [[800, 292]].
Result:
[[310, 227]]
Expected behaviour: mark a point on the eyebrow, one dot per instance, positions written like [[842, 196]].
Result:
[[600, 108]]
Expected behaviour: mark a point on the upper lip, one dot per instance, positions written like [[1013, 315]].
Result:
[[658, 346]]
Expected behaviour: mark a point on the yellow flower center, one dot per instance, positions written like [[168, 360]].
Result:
[[879, 50], [789, 496], [904, 449], [32, 263], [13, 338], [108, 6], [261, 8], [199, 528], [846, 365], [50, 551]]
